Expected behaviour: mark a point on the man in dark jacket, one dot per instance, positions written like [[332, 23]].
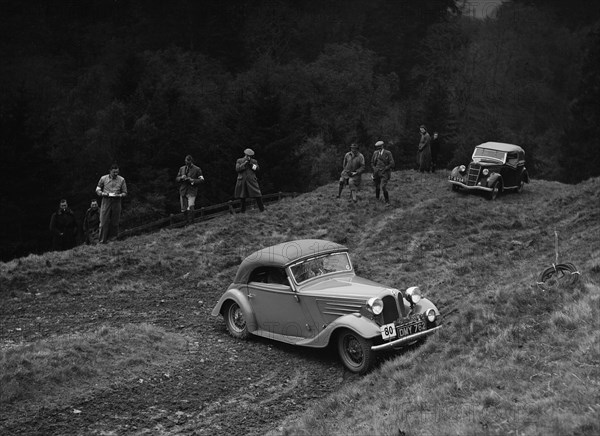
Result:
[[189, 177], [246, 185], [91, 223], [63, 227], [435, 148], [382, 163]]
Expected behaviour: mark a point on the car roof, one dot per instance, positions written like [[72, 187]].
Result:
[[284, 254], [501, 146]]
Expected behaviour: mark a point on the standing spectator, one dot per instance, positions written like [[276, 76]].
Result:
[[424, 152], [435, 148], [382, 163], [189, 177], [63, 227], [91, 223], [352, 168], [247, 184], [111, 187]]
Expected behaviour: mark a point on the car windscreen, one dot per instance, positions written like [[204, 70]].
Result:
[[488, 154], [321, 265]]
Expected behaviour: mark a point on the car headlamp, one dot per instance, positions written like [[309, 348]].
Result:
[[375, 305], [413, 294], [485, 172], [430, 315], [462, 168]]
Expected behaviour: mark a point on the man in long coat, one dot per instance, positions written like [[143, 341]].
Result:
[[424, 151], [63, 227], [246, 185]]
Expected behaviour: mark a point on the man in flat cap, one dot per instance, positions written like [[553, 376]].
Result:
[[352, 168], [246, 185], [382, 163]]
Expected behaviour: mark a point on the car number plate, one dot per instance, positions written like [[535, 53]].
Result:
[[388, 331], [410, 329]]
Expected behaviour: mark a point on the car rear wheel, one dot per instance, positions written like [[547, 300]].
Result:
[[495, 190], [355, 352], [235, 321]]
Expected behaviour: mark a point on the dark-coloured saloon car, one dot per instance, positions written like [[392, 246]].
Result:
[[495, 167], [306, 293]]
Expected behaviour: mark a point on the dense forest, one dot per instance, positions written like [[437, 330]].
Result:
[[145, 82]]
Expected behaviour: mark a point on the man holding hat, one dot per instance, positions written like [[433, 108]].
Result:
[[382, 163], [353, 166], [247, 184]]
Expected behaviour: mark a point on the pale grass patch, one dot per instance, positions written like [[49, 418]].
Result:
[[61, 367]]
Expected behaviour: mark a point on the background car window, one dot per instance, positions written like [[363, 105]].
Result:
[[512, 159], [267, 274]]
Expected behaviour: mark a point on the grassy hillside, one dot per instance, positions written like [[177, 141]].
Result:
[[512, 359]]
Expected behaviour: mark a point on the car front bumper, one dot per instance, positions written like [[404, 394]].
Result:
[[405, 340], [475, 187]]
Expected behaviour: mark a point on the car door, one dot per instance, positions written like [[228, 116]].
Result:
[[509, 170], [277, 308]]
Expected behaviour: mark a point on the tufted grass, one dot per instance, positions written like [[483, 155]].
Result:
[[512, 358]]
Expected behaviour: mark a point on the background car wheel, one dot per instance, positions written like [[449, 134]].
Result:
[[521, 185], [355, 352], [495, 190], [235, 321], [455, 188]]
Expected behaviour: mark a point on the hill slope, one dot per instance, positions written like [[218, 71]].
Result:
[[513, 358]]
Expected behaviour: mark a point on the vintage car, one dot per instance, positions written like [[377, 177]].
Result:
[[495, 167], [306, 293]]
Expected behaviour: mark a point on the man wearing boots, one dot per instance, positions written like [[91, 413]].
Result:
[[352, 168], [188, 177]]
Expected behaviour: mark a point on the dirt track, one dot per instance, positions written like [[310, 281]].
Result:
[[221, 385]]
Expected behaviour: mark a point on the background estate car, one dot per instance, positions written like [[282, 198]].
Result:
[[306, 293], [495, 167]]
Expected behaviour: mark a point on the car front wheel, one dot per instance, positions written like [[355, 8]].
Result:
[[455, 187], [355, 352], [495, 190], [235, 321]]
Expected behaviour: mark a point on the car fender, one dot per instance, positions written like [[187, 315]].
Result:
[[525, 176], [455, 171], [493, 178], [241, 299], [359, 324]]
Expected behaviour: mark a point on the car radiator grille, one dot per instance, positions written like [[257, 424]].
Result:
[[473, 174], [390, 309]]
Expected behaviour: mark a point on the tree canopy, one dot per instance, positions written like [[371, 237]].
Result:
[[144, 83]]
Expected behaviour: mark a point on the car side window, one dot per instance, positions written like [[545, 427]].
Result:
[[269, 274], [512, 159]]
